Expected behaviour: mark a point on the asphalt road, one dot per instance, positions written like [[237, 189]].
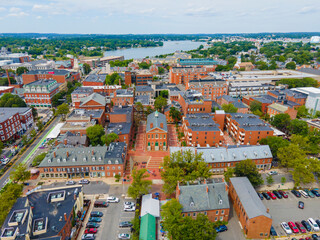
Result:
[[4, 179]]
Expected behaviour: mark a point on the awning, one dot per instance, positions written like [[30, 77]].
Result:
[[55, 132]]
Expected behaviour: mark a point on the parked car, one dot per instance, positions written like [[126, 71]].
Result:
[[5, 161], [313, 224], [315, 192], [303, 193], [315, 236], [306, 225], [260, 196], [301, 205], [88, 237], [272, 173], [84, 181], [124, 236], [286, 228], [94, 219], [70, 182], [92, 225], [129, 204], [301, 227], [318, 222], [273, 231], [296, 193], [272, 195], [113, 199], [221, 228], [293, 227], [98, 204], [125, 224], [96, 214], [310, 194], [91, 230], [266, 196], [284, 194], [129, 208], [278, 195]]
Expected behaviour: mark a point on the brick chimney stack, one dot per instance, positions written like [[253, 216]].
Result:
[[54, 154], [67, 153], [65, 216], [7, 72], [92, 152]]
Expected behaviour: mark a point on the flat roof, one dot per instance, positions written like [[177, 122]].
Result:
[[55, 132]]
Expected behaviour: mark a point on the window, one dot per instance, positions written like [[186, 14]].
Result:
[[221, 218], [194, 214], [222, 211], [217, 212], [205, 213], [215, 219]]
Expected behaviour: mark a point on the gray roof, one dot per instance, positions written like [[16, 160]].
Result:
[[248, 197], [195, 198], [201, 122], [6, 113], [144, 88], [85, 156], [143, 99], [96, 78], [85, 113], [119, 128], [250, 122], [124, 92], [80, 90], [95, 97], [49, 71], [156, 118], [44, 82], [123, 110], [73, 139], [310, 70]]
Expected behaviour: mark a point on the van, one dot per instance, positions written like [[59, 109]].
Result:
[[314, 225], [303, 193], [100, 204]]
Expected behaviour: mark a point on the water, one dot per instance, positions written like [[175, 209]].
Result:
[[168, 47]]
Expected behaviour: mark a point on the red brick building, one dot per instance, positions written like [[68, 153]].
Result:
[[193, 102], [182, 75], [60, 75], [94, 80], [277, 108], [120, 114], [122, 97], [138, 77], [40, 93], [226, 99], [156, 132], [253, 216]]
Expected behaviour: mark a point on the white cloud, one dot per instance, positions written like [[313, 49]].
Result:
[[307, 10], [17, 12], [2, 9], [39, 17], [201, 12]]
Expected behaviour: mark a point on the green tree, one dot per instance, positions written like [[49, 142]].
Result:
[[291, 65], [269, 179], [184, 167], [281, 121], [138, 106], [39, 125], [229, 108], [160, 103], [255, 106], [20, 173], [144, 65], [86, 68], [287, 155], [63, 110], [113, 79], [38, 159], [34, 112], [160, 70], [247, 168], [21, 70], [228, 174], [140, 185], [164, 93], [274, 143], [298, 127], [175, 114], [33, 133], [10, 100], [282, 58], [304, 169], [302, 112], [94, 134], [283, 180], [109, 138]]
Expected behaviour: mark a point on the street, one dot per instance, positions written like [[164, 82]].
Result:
[[27, 154]]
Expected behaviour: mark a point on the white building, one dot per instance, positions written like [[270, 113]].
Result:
[[313, 99]]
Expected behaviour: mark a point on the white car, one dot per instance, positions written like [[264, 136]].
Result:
[[129, 208], [5, 161], [303, 193], [272, 173], [129, 204], [113, 199], [286, 227], [70, 182], [124, 236]]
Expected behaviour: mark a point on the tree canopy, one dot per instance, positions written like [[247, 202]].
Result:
[[109, 138], [95, 134], [10, 100], [20, 173], [229, 108], [62, 109], [175, 114], [113, 79], [274, 143], [21, 70], [295, 82], [38, 159], [140, 185], [291, 65], [247, 168], [160, 103], [86, 68]]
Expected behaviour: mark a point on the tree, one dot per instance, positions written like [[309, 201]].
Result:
[[283, 180], [164, 93], [228, 174], [282, 58], [38, 159], [138, 106], [149, 110], [63, 110], [229, 108], [247, 168], [160, 70], [184, 167], [113, 79], [20, 173], [269, 179], [94, 134], [144, 65], [304, 169], [302, 112], [295, 82], [298, 127], [33, 133], [291, 65], [39, 125], [175, 114], [274, 143], [86, 68], [21, 70], [140, 185], [160, 103], [109, 138], [34, 112], [288, 155], [255, 106], [281, 121], [10, 100]]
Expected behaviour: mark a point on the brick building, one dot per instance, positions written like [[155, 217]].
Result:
[[40, 93], [60, 75], [193, 102], [182, 75], [138, 77], [94, 79], [277, 108], [226, 99], [14, 122], [120, 114], [123, 97], [210, 199], [209, 87], [253, 216], [247, 128], [69, 161], [200, 130], [156, 132], [94, 101], [79, 93], [123, 129]]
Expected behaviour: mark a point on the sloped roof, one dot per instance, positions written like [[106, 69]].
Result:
[[156, 118], [148, 227], [95, 97], [251, 203], [150, 205], [279, 107]]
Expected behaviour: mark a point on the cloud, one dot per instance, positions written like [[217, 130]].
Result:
[[17, 12], [39, 17], [2, 9], [201, 12], [307, 10], [41, 8]]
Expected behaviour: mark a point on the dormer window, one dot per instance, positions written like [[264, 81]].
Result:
[[99, 158], [74, 159], [109, 162], [49, 160], [58, 160], [93, 159], [64, 160], [84, 159]]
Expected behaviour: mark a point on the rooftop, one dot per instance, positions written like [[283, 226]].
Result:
[[49, 71], [278, 107], [85, 113], [96, 77], [80, 90], [72, 139], [156, 119], [201, 122], [144, 88], [6, 113], [123, 110], [41, 83], [119, 128], [96, 97], [250, 122]]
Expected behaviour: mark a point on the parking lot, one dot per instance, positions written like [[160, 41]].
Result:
[[286, 210]]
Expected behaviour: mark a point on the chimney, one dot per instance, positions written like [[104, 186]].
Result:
[[207, 188], [67, 153], [65, 216], [151, 125], [161, 125], [65, 141], [74, 196], [7, 72], [54, 154], [92, 152], [227, 187], [119, 81], [268, 210]]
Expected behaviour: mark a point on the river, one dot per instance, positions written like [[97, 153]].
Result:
[[168, 47]]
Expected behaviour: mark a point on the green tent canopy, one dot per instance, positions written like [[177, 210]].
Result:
[[148, 227]]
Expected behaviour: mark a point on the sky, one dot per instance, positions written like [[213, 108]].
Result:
[[154, 16]]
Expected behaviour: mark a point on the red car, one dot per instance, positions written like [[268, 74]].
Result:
[[90, 230], [283, 193], [301, 227], [272, 195], [293, 227]]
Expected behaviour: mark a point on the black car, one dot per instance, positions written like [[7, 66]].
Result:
[[301, 205], [315, 192], [278, 195], [92, 225], [260, 196], [306, 225], [318, 222], [315, 236], [96, 214], [266, 196], [273, 231], [296, 193], [125, 224]]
